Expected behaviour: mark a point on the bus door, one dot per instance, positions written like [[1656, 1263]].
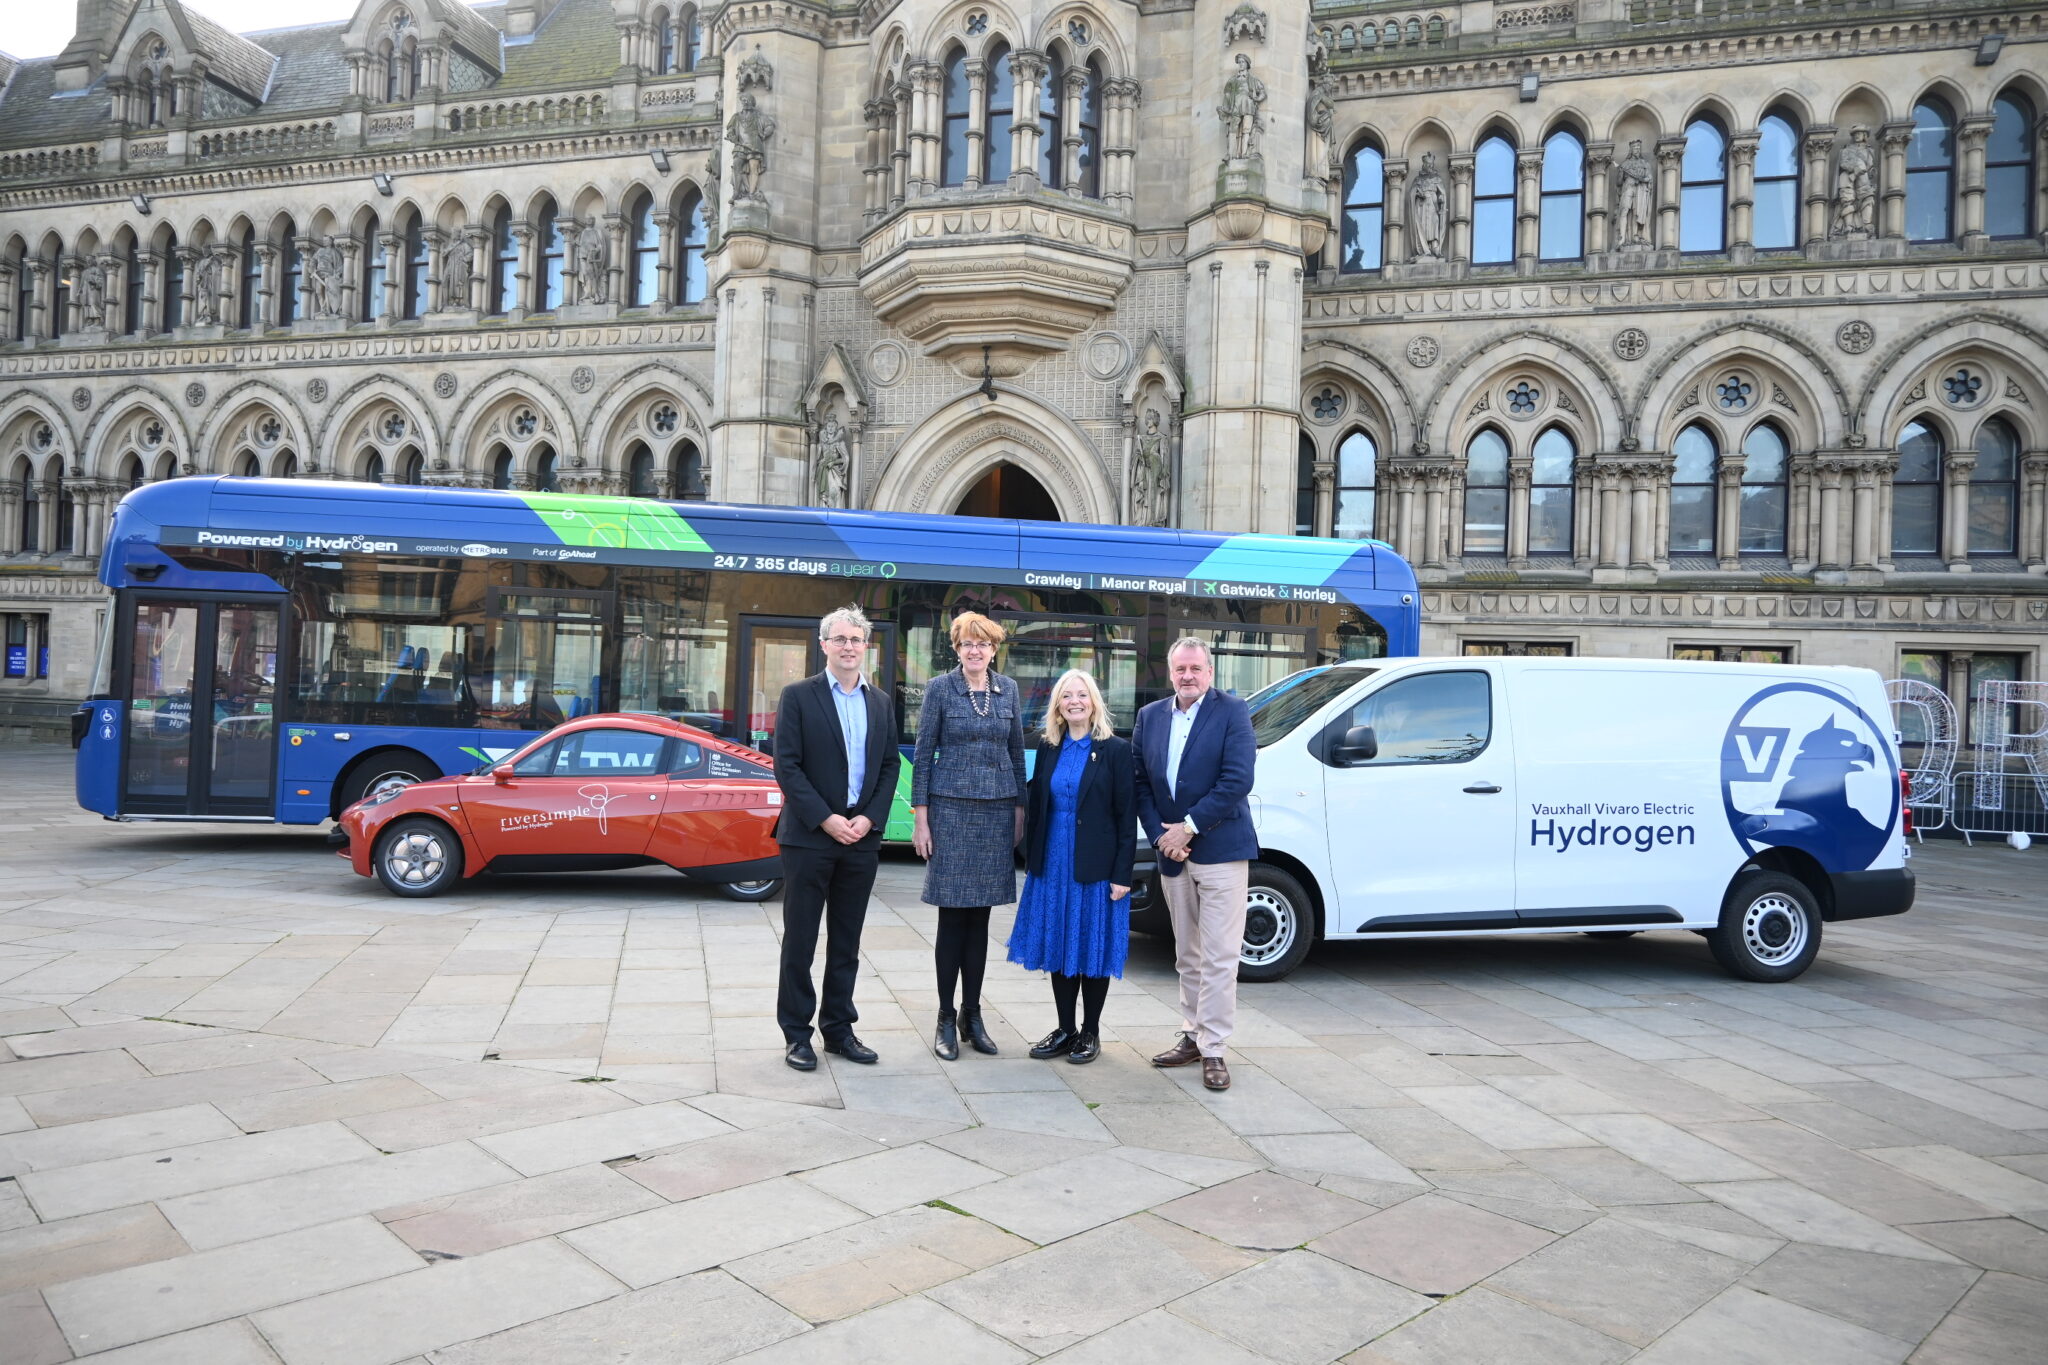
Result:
[[776, 651], [198, 680]]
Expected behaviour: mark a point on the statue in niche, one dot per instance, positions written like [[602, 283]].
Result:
[[749, 131], [1638, 195], [1243, 93], [835, 465], [455, 271], [92, 294], [1426, 213], [206, 276], [325, 269], [1322, 123], [1150, 475], [713, 164], [591, 251], [1855, 187]]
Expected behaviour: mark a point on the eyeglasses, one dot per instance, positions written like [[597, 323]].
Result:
[[966, 645], [843, 641]]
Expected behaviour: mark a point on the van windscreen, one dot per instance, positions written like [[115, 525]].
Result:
[[1279, 708]]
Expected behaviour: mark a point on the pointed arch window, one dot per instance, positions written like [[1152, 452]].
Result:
[[285, 466], [1930, 174], [249, 296], [1365, 195], [504, 264], [173, 302], [953, 150], [31, 512], [376, 268], [373, 468], [293, 274], [501, 468], [134, 284], [688, 481], [1550, 492], [1694, 457], [1916, 492], [1052, 147], [249, 467], [1493, 202], [1703, 188], [60, 292], [643, 263], [639, 470], [554, 256], [1002, 106], [1765, 461], [1562, 224], [412, 303], [412, 467], [1994, 490], [1777, 185], [1090, 120], [1358, 459], [689, 38], [1304, 485], [546, 477], [2009, 169], [131, 473], [25, 296], [67, 516], [691, 282], [1486, 494], [664, 42]]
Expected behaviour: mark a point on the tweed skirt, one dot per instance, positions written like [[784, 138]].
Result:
[[974, 860]]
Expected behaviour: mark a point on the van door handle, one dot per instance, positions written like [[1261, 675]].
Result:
[[1484, 789]]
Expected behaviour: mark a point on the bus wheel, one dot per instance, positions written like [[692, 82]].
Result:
[[761, 890], [417, 857], [1279, 925], [1769, 930], [385, 772]]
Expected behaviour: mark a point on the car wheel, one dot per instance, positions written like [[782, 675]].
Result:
[[1612, 933], [1770, 927], [1279, 925], [382, 773], [765, 889], [417, 857]]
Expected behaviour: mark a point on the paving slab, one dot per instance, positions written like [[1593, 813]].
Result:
[[222, 1343], [2002, 1319], [33, 1337], [518, 1211], [2006, 1244], [699, 1319], [49, 1253], [898, 1178], [659, 1244], [1619, 1279], [1056, 1201], [1158, 1338], [1802, 1215], [601, 1137], [476, 1116], [1432, 1245], [78, 1144], [1264, 1212], [1891, 1295], [1300, 1308], [1977, 1180], [1483, 1326], [878, 1337], [864, 1265], [1743, 1327], [165, 1174], [741, 1158]]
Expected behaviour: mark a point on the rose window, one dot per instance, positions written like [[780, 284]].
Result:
[[977, 23], [1326, 404], [665, 419], [269, 430], [43, 436], [153, 434], [1077, 29], [1734, 393], [393, 426], [1523, 398], [525, 422], [1963, 387]]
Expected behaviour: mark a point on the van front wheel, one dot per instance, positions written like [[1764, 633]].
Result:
[[1279, 925], [1770, 928]]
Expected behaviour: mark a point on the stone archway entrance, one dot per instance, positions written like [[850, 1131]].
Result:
[[1010, 492]]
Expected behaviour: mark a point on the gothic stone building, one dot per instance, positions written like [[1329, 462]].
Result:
[[1711, 328]]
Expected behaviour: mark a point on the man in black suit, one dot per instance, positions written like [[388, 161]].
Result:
[[837, 760]]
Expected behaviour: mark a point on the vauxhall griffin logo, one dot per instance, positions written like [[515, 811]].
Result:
[[1804, 768]]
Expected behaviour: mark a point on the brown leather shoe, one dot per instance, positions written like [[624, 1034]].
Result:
[[1182, 1053], [1215, 1073]]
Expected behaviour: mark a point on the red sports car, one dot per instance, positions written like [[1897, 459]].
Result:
[[596, 793]]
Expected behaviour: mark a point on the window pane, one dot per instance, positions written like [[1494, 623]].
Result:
[[1355, 461], [1930, 144], [1435, 718], [1304, 486], [1692, 520], [1354, 513], [1991, 519], [2008, 140], [1362, 240], [1550, 520], [1493, 231], [1997, 451], [1777, 149], [1991, 668], [1493, 169], [1486, 461], [1927, 206], [1486, 521], [1703, 153], [1777, 214], [1365, 177], [1763, 520], [1916, 527], [1693, 454], [1564, 163], [1764, 452], [609, 753], [1553, 462], [2005, 201], [1562, 221], [1919, 455], [1699, 218]]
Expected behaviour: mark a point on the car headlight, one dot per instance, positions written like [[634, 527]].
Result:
[[382, 798]]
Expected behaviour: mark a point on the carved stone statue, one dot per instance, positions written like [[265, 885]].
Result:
[[1855, 187], [92, 294], [1150, 475], [455, 273], [1243, 93], [1637, 194], [325, 271], [834, 464], [749, 131], [1322, 123], [713, 168], [206, 277], [1426, 212], [591, 252]]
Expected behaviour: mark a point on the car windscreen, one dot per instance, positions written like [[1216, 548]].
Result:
[[1278, 708]]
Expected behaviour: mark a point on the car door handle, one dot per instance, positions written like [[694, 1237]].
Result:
[[1484, 789]]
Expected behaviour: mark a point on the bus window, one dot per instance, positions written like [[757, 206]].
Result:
[[166, 649], [1039, 650], [383, 643], [1248, 660], [542, 665], [674, 648]]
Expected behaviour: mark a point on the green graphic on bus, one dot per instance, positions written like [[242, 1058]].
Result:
[[615, 523]]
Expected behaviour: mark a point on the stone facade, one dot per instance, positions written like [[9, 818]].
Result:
[[1636, 327]]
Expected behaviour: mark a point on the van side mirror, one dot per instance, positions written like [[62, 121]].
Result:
[[1359, 745]]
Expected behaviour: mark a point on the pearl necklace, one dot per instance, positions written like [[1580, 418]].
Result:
[[986, 703]]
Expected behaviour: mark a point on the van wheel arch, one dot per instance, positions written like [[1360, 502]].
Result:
[[353, 782], [1282, 879], [1799, 865]]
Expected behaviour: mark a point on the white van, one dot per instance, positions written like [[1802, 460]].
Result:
[[1424, 798]]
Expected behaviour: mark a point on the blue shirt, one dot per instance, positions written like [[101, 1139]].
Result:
[[853, 729], [1177, 742]]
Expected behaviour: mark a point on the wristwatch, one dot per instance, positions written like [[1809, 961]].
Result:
[[1187, 823]]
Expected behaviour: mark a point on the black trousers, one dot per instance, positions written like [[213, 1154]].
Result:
[[832, 885]]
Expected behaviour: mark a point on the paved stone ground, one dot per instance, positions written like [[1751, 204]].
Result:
[[253, 1109]]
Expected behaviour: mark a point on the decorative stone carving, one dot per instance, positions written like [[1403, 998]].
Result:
[[1239, 112], [81, 398], [206, 281], [1855, 336], [1422, 352], [455, 273], [582, 379], [1637, 195], [195, 394], [1426, 211], [1855, 188], [444, 384], [324, 270], [887, 361], [593, 252], [1632, 343], [92, 295], [749, 131], [1151, 476], [1534, 16], [1247, 22], [1109, 355], [714, 164], [754, 71], [834, 465], [316, 391]]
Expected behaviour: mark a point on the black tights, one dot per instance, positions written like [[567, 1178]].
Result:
[[961, 955], [1092, 990]]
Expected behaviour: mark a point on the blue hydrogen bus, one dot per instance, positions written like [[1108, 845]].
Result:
[[278, 649]]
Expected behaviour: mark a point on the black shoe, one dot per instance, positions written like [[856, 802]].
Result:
[[801, 1057], [1058, 1043], [853, 1049], [977, 1034], [1087, 1047], [946, 1037]]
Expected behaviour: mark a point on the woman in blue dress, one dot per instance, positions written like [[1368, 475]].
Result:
[[1080, 839]]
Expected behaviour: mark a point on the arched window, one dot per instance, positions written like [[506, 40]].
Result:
[[412, 303], [31, 512], [554, 255], [412, 467], [1052, 147], [1995, 490], [67, 516], [1357, 483], [1486, 494], [687, 479], [394, 72], [131, 472], [2009, 169], [1304, 485], [373, 467], [1930, 174], [249, 297], [1916, 492], [1693, 457], [155, 97], [60, 293], [545, 478], [639, 470], [504, 264], [643, 261], [689, 38], [1703, 188], [1493, 202], [135, 283], [1091, 131], [501, 468], [293, 274], [25, 296], [953, 150], [248, 466], [1365, 192], [173, 302], [1550, 493], [664, 42], [375, 270], [1561, 229], [1777, 185], [1764, 460], [1002, 105], [285, 466], [690, 243]]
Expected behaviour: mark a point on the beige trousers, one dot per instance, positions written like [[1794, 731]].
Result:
[[1206, 903]]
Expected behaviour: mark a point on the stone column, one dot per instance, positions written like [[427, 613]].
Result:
[[1728, 511], [1323, 474], [1894, 136], [1120, 147], [1742, 196], [10, 517], [268, 265], [527, 240], [1863, 523], [1955, 507], [68, 267], [1642, 514], [1394, 246], [615, 269], [1528, 206], [977, 126], [1072, 96], [476, 241], [1459, 248], [874, 176], [1584, 499], [1971, 135], [1670, 159], [665, 225], [1599, 186], [153, 272], [1519, 471], [1608, 521], [47, 508], [1443, 534], [1819, 148], [1828, 552], [395, 266], [922, 105], [439, 243], [905, 146], [1027, 79], [42, 284]]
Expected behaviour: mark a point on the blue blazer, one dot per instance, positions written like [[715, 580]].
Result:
[[1215, 779]]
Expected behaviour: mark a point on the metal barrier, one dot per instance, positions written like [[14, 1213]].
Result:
[[1929, 736], [2006, 789]]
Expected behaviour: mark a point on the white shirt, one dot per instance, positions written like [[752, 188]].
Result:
[[1177, 741]]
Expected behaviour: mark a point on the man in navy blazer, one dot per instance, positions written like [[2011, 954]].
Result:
[[1194, 775]]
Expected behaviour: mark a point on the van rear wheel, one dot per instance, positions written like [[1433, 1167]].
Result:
[[1770, 927], [1279, 925]]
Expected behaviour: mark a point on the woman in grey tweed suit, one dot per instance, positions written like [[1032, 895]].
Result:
[[967, 792]]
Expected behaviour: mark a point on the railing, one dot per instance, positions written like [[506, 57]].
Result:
[[484, 115], [274, 139], [49, 161], [1998, 786], [1420, 29]]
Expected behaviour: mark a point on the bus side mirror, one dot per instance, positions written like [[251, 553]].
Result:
[[1359, 745]]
